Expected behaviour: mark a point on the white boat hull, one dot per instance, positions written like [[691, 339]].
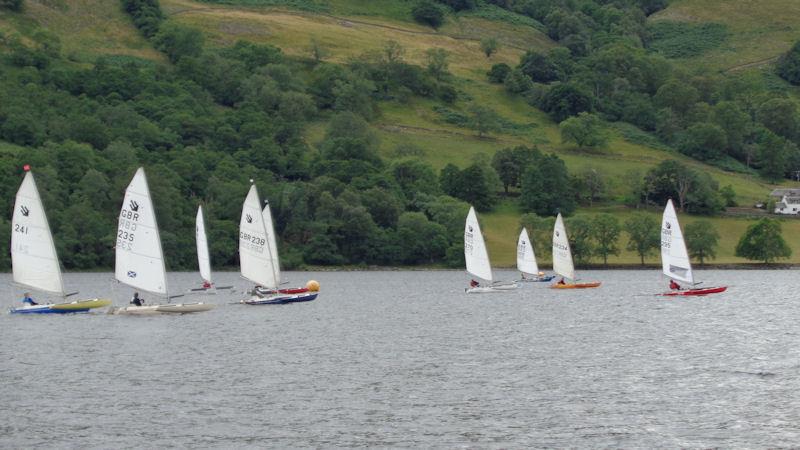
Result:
[[498, 288], [149, 310]]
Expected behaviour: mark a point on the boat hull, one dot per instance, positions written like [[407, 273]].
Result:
[[78, 306], [149, 310], [493, 289], [576, 285], [290, 291], [696, 292], [281, 299], [537, 280]]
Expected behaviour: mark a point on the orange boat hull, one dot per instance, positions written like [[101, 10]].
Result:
[[576, 285]]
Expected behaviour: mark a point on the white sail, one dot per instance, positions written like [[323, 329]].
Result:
[[674, 257], [526, 260], [562, 254], [475, 252], [139, 257], [203, 258], [33, 252], [272, 241], [255, 260]]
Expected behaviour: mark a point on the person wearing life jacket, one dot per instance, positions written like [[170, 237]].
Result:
[[136, 301], [27, 300], [206, 284], [473, 283], [562, 282], [674, 286]]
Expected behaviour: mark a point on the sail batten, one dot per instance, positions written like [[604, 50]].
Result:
[[139, 256], [526, 259], [562, 254], [255, 261], [475, 254], [675, 261], [34, 258], [203, 258]]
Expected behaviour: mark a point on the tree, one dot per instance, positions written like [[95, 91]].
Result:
[[516, 82], [566, 100], [701, 240], [428, 13], [705, 141], [318, 51], [538, 67], [605, 231], [459, 5], [13, 5], [585, 131], [483, 119], [643, 235], [580, 238], [437, 62], [178, 41], [763, 241], [510, 163], [498, 73], [772, 155], [546, 188], [489, 46], [423, 241], [788, 66]]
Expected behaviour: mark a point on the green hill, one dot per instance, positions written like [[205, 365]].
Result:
[[734, 35]]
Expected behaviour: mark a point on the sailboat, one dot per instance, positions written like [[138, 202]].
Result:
[[258, 257], [139, 257], [562, 259], [477, 259], [675, 259], [203, 258], [33, 254], [526, 260]]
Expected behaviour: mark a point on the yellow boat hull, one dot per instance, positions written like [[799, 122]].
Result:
[[576, 285], [82, 304]]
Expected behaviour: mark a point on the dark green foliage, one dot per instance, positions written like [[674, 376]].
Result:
[[546, 188], [146, 15], [178, 41], [540, 230], [701, 240], [498, 72], [566, 100], [695, 192], [643, 235], [763, 241], [423, 241], [704, 141], [538, 67], [788, 66], [458, 5], [685, 39], [652, 6], [472, 185], [605, 231], [428, 13], [580, 238], [585, 131], [510, 163]]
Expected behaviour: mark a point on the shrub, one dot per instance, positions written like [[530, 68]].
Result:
[[428, 13]]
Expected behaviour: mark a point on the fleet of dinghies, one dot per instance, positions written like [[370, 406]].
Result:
[[140, 265], [139, 258]]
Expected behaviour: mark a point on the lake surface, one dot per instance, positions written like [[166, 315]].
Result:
[[406, 359]]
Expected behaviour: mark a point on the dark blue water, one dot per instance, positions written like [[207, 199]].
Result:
[[406, 359]]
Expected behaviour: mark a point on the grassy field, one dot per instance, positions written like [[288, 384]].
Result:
[[758, 31], [85, 28]]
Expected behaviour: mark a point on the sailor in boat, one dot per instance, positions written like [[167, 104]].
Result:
[[27, 300], [136, 301], [523, 275], [561, 281], [206, 285], [674, 286], [473, 283]]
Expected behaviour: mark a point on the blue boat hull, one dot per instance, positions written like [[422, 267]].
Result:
[[47, 311], [537, 280], [284, 299]]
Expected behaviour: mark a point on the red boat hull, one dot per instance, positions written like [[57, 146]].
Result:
[[295, 290], [696, 292]]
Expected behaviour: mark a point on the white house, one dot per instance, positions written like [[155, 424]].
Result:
[[787, 202]]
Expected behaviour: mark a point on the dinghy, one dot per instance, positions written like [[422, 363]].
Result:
[[204, 259], [258, 257], [34, 259], [675, 262], [139, 257], [477, 259], [562, 259], [526, 261]]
